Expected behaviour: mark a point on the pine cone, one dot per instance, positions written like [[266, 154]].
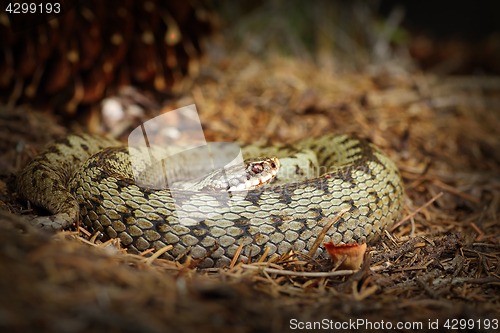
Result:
[[87, 54]]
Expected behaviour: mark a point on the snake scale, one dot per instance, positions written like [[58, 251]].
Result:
[[88, 177]]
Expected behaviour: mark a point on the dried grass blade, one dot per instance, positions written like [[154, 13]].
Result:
[[439, 195], [322, 235], [158, 253], [236, 256]]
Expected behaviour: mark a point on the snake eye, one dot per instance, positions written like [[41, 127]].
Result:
[[257, 168]]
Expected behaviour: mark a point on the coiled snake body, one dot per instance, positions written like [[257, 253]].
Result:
[[71, 181]]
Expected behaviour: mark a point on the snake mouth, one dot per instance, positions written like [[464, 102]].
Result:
[[254, 186], [264, 180]]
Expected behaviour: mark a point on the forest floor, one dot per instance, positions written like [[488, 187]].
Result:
[[440, 262]]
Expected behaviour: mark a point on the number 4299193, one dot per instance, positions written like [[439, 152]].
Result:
[[479, 324], [34, 8]]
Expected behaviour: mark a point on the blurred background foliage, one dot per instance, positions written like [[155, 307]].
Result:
[[449, 37], [98, 47]]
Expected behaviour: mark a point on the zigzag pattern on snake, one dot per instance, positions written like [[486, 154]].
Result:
[[81, 176]]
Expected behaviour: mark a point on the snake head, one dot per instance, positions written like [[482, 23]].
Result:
[[252, 174], [258, 172]]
